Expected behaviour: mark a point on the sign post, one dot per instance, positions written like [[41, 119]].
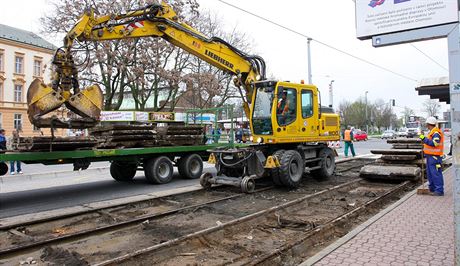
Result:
[[391, 22], [454, 80]]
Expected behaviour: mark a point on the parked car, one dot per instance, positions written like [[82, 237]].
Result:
[[360, 135], [389, 134], [402, 133]]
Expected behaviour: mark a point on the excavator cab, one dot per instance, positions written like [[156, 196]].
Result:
[[284, 112]]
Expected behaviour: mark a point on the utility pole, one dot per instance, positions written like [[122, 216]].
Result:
[[367, 121], [310, 81], [331, 95]]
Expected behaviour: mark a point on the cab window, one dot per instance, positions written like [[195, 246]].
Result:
[[307, 103], [286, 106]]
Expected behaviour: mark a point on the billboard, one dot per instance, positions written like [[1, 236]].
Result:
[[117, 116], [377, 17], [161, 116]]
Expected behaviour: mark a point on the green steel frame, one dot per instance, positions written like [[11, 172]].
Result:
[[131, 154]]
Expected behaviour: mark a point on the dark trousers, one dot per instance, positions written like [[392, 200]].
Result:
[[349, 144], [18, 166]]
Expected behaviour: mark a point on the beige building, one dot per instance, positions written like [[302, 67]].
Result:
[[24, 56]]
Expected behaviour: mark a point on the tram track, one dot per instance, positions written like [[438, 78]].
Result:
[[266, 237], [33, 242]]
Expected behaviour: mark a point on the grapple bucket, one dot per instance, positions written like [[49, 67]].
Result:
[[43, 99], [87, 103]]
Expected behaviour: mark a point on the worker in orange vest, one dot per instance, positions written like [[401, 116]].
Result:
[[433, 148], [282, 109], [348, 139]]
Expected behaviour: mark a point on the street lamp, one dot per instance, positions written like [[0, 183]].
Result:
[[331, 95], [367, 124]]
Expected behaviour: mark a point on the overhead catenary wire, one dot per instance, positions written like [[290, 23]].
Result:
[[318, 41], [429, 57]]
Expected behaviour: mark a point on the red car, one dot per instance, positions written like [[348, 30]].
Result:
[[360, 135]]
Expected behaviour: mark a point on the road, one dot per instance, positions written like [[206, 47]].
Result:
[[51, 187]]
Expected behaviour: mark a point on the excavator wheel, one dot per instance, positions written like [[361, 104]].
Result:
[[291, 169], [327, 165], [275, 172]]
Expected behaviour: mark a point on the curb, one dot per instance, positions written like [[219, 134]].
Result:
[[341, 241], [29, 177]]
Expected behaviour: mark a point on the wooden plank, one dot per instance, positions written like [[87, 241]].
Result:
[[392, 157], [397, 151], [121, 127], [406, 141], [124, 132]]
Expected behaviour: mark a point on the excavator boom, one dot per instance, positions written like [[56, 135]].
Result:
[[151, 21]]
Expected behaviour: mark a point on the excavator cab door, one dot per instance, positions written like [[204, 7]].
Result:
[[294, 115]]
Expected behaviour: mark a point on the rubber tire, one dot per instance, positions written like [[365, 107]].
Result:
[[186, 163], [3, 168], [275, 172], [153, 167], [123, 172], [289, 178], [327, 166]]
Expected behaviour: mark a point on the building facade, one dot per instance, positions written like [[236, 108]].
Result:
[[24, 56]]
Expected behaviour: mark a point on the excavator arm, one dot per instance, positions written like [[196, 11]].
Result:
[[152, 21]]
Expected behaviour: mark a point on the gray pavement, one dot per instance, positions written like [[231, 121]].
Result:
[[418, 230]]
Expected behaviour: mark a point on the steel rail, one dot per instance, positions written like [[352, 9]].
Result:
[[106, 228], [209, 230], [328, 225]]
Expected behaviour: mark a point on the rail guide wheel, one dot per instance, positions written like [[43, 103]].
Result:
[[205, 180], [248, 184]]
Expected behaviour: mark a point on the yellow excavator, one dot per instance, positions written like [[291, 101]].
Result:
[[290, 129]]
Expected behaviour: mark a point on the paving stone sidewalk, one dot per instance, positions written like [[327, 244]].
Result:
[[420, 231]]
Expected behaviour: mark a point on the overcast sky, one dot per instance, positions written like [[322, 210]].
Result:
[[331, 22]]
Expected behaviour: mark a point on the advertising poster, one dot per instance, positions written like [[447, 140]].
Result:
[[376, 17]]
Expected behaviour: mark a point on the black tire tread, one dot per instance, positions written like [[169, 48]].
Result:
[[122, 171], [184, 166], [275, 172], [151, 167], [286, 160]]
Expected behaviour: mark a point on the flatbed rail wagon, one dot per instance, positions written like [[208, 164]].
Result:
[[156, 162]]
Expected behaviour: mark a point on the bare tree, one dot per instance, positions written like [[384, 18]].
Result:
[[140, 67], [211, 85], [431, 107], [407, 113]]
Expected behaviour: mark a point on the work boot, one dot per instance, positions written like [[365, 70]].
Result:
[[436, 194]]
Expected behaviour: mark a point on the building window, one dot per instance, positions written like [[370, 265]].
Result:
[[1, 61], [1, 91], [37, 68], [18, 121], [18, 93], [19, 64]]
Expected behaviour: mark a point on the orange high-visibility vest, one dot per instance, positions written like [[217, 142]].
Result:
[[347, 135], [438, 150], [283, 106]]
